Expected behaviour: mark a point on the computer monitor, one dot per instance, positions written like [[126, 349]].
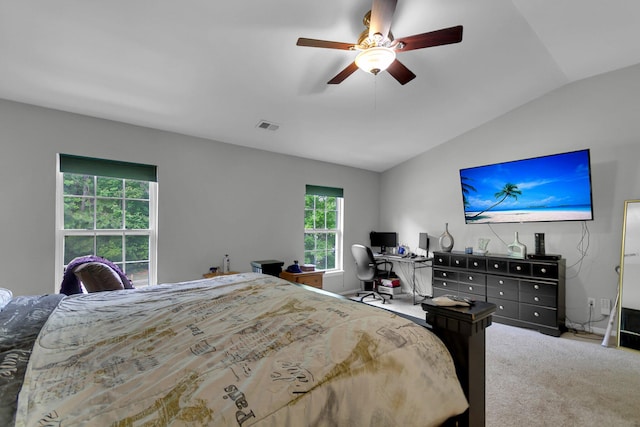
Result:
[[383, 240], [424, 242]]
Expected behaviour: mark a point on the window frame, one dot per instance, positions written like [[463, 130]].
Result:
[[339, 230], [61, 232]]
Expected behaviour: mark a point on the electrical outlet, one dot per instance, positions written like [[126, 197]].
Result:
[[605, 306], [591, 302]]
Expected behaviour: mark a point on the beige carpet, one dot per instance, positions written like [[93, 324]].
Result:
[[537, 380]]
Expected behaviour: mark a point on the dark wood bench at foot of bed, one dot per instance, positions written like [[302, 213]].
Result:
[[462, 329]]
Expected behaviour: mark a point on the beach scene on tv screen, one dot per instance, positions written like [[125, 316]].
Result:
[[549, 188]]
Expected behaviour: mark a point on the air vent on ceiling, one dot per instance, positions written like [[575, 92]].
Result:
[[263, 124]]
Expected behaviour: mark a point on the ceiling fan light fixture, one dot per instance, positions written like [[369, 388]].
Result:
[[375, 59]]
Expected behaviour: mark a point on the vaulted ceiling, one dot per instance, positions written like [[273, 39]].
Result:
[[215, 69]]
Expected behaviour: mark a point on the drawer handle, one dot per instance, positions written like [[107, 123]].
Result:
[[543, 270], [440, 260], [457, 261], [501, 282], [518, 267], [471, 278], [536, 286], [444, 284], [475, 263], [501, 307], [444, 274], [501, 293], [536, 299], [495, 266], [470, 288], [535, 313]]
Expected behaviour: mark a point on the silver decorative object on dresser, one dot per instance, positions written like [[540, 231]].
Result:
[[517, 249], [446, 240]]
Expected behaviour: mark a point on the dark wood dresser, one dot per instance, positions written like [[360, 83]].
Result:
[[527, 292]]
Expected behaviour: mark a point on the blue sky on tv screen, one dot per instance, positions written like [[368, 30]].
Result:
[[545, 182]]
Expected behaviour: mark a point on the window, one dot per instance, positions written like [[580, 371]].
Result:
[[107, 208], [323, 226]]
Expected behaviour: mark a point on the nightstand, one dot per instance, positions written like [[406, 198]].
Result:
[[310, 278]]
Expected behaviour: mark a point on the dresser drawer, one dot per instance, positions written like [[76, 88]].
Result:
[[311, 278], [477, 263], [445, 274], [509, 292], [441, 259], [544, 270], [471, 277], [501, 281], [505, 308], [315, 281], [546, 300], [537, 314], [446, 285], [458, 261], [497, 265], [520, 268], [469, 288], [538, 288]]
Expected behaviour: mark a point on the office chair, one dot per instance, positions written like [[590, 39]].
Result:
[[368, 271]]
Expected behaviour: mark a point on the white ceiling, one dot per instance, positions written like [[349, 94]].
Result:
[[215, 68]]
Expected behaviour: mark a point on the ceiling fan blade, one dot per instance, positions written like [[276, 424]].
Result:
[[430, 39], [339, 78], [401, 73], [324, 43], [381, 16]]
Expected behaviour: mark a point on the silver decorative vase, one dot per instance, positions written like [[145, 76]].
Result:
[[517, 249], [446, 240]]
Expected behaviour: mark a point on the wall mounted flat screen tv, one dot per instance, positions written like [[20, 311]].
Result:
[[548, 188]]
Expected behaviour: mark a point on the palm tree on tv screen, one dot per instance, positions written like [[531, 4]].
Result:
[[466, 189], [509, 190]]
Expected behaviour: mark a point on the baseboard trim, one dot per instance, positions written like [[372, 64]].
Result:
[[593, 330]]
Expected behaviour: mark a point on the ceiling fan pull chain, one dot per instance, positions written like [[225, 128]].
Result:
[[375, 94]]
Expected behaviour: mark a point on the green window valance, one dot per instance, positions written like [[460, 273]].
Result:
[[317, 190], [109, 168]]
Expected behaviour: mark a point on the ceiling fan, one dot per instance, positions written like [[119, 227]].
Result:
[[378, 48]]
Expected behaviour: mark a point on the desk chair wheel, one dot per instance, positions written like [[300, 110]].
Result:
[[373, 293]]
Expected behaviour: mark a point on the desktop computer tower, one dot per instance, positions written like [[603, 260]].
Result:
[[424, 242]]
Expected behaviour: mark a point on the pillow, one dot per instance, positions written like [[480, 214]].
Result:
[[5, 297], [98, 277]]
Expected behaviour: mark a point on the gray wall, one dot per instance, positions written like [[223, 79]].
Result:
[[214, 198], [217, 198], [600, 113]]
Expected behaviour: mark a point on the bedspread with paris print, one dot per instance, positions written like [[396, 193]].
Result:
[[240, 350]]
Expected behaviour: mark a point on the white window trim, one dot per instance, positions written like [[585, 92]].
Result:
[[61, 232], [339, 237]]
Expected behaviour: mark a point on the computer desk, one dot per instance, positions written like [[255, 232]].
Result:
[[417, 263]]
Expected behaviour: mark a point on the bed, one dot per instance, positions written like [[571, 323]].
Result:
[[239, 350]]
